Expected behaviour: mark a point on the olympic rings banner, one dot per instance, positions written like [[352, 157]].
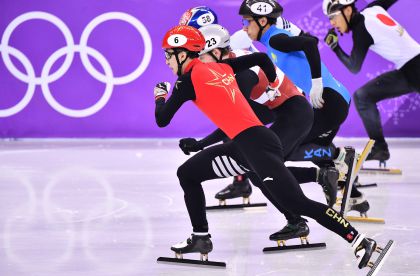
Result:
[[88, 68]]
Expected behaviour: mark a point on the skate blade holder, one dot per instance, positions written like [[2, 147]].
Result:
[[305, 245], [204, 261], [383, 255], [246, 204], [245, 200], [203, 257]]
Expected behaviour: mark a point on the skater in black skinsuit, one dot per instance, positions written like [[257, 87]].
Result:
[[373, 28], [327, 121], [212, 87], [290, 114], [203, 16]]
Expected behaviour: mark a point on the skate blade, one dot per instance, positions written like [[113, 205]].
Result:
[[235, 206], [310, 246], [380, 171], [361, 186], [381, 259], [188, 262], [362, 219]]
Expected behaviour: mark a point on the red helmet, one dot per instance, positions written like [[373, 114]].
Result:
[[184, 37]]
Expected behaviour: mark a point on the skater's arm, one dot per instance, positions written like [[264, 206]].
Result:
[[386, 4], [188, 145], [255, 59], [165, 110], [264, 114], [306, 43], [362, 40], [213, 138], [246, 81], [285, 24]]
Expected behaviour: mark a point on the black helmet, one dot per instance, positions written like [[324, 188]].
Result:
[[260, 8]]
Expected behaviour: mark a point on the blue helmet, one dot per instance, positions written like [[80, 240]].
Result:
[[198, 17]]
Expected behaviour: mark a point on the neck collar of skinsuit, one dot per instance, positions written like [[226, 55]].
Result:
[[190, 65]]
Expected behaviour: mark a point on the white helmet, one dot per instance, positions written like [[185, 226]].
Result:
[[216, 37], [331, 6]]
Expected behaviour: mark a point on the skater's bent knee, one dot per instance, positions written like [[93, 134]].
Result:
[[182, 171], [359, 96], [364, 97]]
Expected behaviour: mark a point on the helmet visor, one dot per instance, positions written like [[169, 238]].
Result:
[[246, 22], [333, 15]]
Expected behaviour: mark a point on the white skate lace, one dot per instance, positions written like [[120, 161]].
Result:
[[182, 244], [340, 165]]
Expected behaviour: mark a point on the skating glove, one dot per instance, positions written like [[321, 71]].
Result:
[[316, 93], [161, 90], [272, 90], [188, 145], [331, 39]]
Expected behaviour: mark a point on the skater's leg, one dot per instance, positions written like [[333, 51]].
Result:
[[304, 174], [263, 152], [317, 146], [388, 85], [211, 163], [257, 182], [313, 152], [328, 119], [294, 119]]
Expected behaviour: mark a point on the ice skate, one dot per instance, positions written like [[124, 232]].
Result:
[[380, 153], [241, 187], [328, 179], [359, 204], [364, 249], [194, 244], [293, 230], [345, 163]]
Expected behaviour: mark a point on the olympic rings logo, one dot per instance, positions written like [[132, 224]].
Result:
[[46, 77]]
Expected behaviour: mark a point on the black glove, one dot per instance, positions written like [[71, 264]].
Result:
[[188, 145], [331, 39]]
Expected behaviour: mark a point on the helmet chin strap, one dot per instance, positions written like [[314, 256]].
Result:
[[179, 72], [345, 18], [215, 57], [261, 28]]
